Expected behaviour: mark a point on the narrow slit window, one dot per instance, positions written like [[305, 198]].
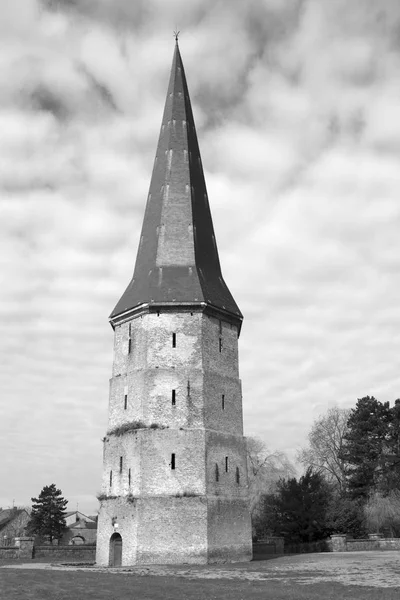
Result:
[[223, 402], [130, 340], [226, 464], [125, 401], [129, 477], [220, 328], [110, 478], [237, 475], [172, 461], [220, 344], [216, 472], [174, 340], [173, 397], [120, 464]]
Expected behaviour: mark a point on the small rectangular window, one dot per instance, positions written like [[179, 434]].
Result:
[[226, 464], [173, 397], [126, 401], [120, 464], [220, 344], [223, 401], [129, 477], [110, 478], [174, 340], [172, 461]]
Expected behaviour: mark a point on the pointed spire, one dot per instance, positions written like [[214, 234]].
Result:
[[177, 261]]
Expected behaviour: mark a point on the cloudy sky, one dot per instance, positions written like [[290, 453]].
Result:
[[297, 105]]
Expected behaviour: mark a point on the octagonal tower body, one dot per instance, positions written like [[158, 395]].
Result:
[[174, 484]]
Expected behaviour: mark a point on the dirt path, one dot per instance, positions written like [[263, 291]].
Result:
[[373, 569]]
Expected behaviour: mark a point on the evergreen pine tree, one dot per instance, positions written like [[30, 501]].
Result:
[[366, 445], [48, 514], [299, 508]]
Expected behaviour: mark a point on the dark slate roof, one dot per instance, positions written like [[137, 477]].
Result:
[[177, 260], [8, 514], [83, 525]]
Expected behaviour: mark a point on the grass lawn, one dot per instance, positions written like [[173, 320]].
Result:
[[287, 578], [78, 585]]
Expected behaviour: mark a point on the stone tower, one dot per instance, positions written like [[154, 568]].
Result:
[[174, 484]]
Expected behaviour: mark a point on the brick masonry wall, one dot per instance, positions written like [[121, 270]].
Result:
[[340, 543], [147, 453], [361, 545], [156, 524], [88, 535], [195, 369], [68, 553], [9, 552], [228, 525]]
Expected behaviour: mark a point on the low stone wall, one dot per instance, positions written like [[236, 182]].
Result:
[[341, 543], [9, 552], [76, 553], [361, 545], [267, 546], [308, 547]]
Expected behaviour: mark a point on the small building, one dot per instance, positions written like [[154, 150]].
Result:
[[13, 522], [81, 529]]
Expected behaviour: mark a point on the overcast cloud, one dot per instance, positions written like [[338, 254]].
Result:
[[297, 106]]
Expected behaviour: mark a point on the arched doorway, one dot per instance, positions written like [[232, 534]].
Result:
[[115, 550], [76, 540]]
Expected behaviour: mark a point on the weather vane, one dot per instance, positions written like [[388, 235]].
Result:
[[176, 34]]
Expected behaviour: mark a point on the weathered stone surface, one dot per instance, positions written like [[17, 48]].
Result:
[[183, 514], [341, 543]]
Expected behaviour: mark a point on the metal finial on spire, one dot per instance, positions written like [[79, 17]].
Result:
[[176, 34]]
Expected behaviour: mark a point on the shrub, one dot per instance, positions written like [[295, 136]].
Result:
[[383, 512], [132, 426], [126, 427], [100, 497]]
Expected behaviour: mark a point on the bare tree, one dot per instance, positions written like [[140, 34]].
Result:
[[265, 468], [325, 442], [383, 512]]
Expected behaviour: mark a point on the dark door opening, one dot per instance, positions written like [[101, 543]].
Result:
[[115, 550]]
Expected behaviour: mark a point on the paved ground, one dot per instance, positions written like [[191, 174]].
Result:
[[372, 569]]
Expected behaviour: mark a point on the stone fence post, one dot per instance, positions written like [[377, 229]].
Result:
[[339, 542], [25, 546]]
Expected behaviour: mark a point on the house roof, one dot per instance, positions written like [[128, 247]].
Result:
[[177, 260], [83, 525], [9, 514], [78, 513]]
